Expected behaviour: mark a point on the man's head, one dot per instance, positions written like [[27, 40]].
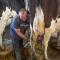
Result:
[[23, 14]]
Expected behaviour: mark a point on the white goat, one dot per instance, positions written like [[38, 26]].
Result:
[[38, 28], [55, 27], [5, 20]]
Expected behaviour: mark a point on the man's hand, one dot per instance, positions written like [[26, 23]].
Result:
[[19, 33]]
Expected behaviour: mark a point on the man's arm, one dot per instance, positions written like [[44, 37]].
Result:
[[19, 33], [16, 27]]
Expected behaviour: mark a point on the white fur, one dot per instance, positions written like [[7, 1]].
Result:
[[49, 31], [54, 27], [5, 20]]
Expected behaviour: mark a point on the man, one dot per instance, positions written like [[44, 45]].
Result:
[[17, 31]]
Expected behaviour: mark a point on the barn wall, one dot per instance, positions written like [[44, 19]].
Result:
[[59, 7], [14, 4]]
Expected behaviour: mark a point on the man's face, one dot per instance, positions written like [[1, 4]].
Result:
[[23, 15]]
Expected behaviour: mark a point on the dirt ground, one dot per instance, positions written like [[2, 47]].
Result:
[[52, 54]]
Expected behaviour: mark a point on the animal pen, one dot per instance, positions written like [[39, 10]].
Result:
[[45, 15]]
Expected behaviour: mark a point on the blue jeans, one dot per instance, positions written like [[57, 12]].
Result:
[[16, 48]]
